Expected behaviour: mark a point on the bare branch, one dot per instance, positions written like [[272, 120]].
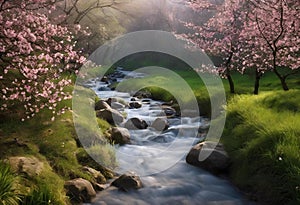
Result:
[[292, 73], [263, 35], [281, 27]]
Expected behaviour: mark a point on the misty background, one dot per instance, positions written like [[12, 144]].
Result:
[[114, 18]]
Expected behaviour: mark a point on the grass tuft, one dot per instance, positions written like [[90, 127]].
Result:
[[8, 182]]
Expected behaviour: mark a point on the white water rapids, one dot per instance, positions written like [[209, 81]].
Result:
[[172, 181]]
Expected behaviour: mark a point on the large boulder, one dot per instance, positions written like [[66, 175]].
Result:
[[30, 166], [135, 124], [112, 116], [120, 135], [128, 181], [217, 162], [135, 104], [95, 174], [80, 190], [160, 124], [101, 104]]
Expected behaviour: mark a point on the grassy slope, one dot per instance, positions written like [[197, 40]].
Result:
[[43, 139], [262, 137], [55, 144]]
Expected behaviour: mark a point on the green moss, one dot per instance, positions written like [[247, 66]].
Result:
[[103, 125]]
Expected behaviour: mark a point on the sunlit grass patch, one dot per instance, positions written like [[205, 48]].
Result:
[[262, 138]]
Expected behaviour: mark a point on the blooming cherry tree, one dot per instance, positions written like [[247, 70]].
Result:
[[257, 35], [272, 33], [220, 35], [34, 57]]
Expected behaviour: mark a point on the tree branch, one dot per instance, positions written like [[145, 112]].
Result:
[[262, 34], [292, 73], [281, 27]]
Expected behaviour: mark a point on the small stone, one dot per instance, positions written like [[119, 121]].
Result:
[[120, 135], [112, 116], [104, 89], [80, 190], [160, 124], [117, 105], [128, 182], [105, 79], [100, 187], [101, 104], [135, 105], [169, 111], [135, 124], [96, 174], [217, 161]]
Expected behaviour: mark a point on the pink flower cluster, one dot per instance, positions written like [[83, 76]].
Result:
[[34, 55]]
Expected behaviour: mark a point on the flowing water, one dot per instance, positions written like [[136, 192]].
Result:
[[159, 158]]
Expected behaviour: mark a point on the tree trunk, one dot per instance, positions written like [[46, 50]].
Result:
[[231, 84], [282, 80], [228, 75], [257, 79], [283, 84]]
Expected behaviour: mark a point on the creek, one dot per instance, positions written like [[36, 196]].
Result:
[[158, 157]]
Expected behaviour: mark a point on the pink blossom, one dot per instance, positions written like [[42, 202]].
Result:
[[38, 65], [8, 24]]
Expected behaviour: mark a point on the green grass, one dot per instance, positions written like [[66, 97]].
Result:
[[40, 196], [180, 86], [54, 143], [47, 188], [92, 131], [269, 82], [8, 190], [262, 138], [155, 82]]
